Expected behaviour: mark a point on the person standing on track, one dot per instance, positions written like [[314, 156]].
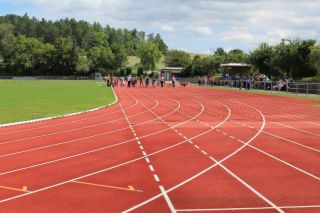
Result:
[[153, 82], [147, 82], [162, 81], [173, 81], [121, 81], [141, 81], [129, 80]]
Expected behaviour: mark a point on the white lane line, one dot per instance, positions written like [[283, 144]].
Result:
[[138, 142], [204, 152], [144, 153], [247, 208], [55, 133], [280, 160], [249, 187], [126, 163], [93, 136], [103, 148], [141, 147], [156, 177], [297, 129], [286, 163], [210, 167], [316, 124], [291, 141], [151, 168], [147, 160], [242, 181], [166, 197], [63, 116], [197, 146], [288, 140]]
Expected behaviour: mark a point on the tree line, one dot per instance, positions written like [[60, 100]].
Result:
[[295, 58], [29, 46]]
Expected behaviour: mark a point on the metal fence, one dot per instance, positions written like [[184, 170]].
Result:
[[298, 88]]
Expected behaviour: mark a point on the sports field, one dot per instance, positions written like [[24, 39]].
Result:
[[184, 149], [25, 100]]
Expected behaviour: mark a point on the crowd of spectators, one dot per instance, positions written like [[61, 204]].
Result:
[[138, 81], [247, 82]]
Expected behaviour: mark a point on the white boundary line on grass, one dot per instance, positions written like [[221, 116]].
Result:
[[87, 152], [96, 135], [64, 123], [76, 129], [62, 116], [121, 164]]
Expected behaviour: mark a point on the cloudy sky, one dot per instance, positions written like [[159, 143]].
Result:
[[197, 26]]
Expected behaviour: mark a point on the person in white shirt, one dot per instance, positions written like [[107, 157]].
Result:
[[162, 81], [129, 80], [122, 82]]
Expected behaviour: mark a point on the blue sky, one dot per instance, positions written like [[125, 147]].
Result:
[[198, 26]]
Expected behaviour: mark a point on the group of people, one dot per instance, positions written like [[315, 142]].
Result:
[[248, 82], [204, 80], [133, 81]]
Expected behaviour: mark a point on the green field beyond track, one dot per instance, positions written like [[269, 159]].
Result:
[[25, 100]]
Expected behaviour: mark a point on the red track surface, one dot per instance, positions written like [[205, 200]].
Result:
[[170, 149]]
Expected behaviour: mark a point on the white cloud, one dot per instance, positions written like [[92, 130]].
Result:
[[167, 28], [202, 30]]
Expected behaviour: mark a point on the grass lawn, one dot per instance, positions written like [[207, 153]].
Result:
[[25, 100]]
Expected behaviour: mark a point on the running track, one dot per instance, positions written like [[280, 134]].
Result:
[[171, 149]]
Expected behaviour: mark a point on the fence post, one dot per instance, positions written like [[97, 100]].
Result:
[[307, 88], [297, 89]]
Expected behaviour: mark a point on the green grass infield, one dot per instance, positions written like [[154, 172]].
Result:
[[33, 99]]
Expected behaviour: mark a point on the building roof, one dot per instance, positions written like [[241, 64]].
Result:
[[235, 65], [176, 70], [172, 68]]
